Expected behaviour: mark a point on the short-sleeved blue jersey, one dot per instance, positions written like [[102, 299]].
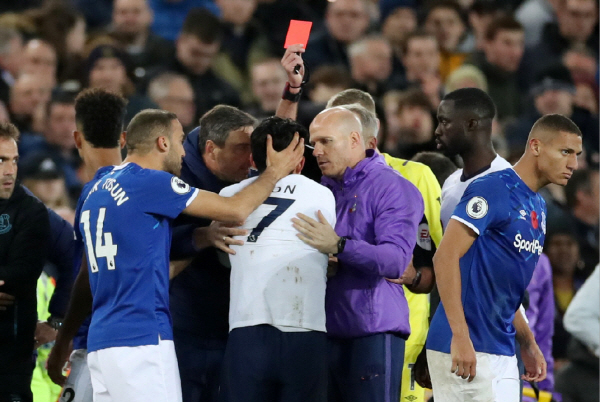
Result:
[[510, 220], [125, 223]]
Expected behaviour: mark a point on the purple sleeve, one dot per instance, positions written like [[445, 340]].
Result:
[[541, 314], [398, 212]]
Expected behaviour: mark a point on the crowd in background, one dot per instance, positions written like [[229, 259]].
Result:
[[533, 57]]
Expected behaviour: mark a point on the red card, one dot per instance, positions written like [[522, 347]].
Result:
[[298, 33]]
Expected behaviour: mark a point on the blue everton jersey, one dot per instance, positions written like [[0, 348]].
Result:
[[510, 220], [80, 340], [125, 223]]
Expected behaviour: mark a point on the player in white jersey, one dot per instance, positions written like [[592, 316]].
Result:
[[277, 344]]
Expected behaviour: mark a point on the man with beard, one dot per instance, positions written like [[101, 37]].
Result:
[[130, 209]]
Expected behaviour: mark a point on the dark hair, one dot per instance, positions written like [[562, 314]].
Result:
[[60, 97], [556, 123], [353, 95], [282, 131], [474, 100], [484, 7], [502, 23], [418, 34], [203, 25], [9, 130], [331, 76], [218, 122], [413, 97], [146, 126], [441, 166], [581, 180], [99, 116], [447, 4]]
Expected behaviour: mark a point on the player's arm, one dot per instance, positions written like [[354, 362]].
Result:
[[533, 358], [456, 242], [175, 267], [291, 58], [238, 207], [80, 306]]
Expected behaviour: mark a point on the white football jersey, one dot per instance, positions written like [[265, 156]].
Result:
[[277, 279], [454, 187]]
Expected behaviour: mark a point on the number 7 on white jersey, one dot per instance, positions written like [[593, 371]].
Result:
[[108, 250]]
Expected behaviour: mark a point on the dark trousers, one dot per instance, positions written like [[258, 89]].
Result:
[[16, 386], [200, 364], [263, 364], [366, 369]]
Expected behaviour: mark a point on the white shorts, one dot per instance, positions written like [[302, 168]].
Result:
[[136, 374], [496, 379], [78, 387]]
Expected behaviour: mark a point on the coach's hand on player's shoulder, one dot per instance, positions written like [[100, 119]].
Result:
[[318, 234], [220, 235], [464, 360], [534, 362], [283, 162], [6, 300], [59, 355]]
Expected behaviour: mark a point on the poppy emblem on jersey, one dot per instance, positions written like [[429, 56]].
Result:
[[534, 220], [179, 186], [5, 225], [477, 207]]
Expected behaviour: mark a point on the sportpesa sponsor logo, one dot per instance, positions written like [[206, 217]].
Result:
[[533, 246]]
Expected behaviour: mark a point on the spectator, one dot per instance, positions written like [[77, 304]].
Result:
[[444, 20], [582, 201], [540, 313], [196, 48], [244, 43], [268, 82], [371, 64], [11, 54], [398, 19], [553, 93], [24, 222], [57, 139], [578, 381], [503, 48], [481, 14], [64, 28], [173, 92], [169, 16], [131, 20], [466, 76], [583, 66], [39, 57], [346, 21], [421, 58], [42, 175], [326, 81], [378, 233], [28, 95], [416, 125], [109, 68], [563, 251], [576, 22], [534, 15]]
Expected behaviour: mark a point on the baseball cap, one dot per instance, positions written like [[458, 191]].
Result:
[[556, 77], [40, 166], [387, 7]]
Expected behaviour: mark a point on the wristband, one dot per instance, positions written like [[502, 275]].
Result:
[[417, 279], [341, 245], [55, 323], [287, 95]]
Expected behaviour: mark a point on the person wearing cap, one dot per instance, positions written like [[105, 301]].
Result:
[[553, 92], [41, 174], [109, 68]]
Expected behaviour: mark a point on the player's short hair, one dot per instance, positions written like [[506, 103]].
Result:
[[368, 120], [282, 131], [218, 122], [99, 115], [474, 100], [441, 166], [9, 131], [581, 180], [203, 25], [350, 96], [146, 127], [556, 123], [502, 23]]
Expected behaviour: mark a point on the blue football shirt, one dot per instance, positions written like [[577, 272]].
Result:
[[510, 220], [80, 340], [125, 223]]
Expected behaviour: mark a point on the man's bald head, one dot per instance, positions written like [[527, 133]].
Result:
[[341, 117]]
